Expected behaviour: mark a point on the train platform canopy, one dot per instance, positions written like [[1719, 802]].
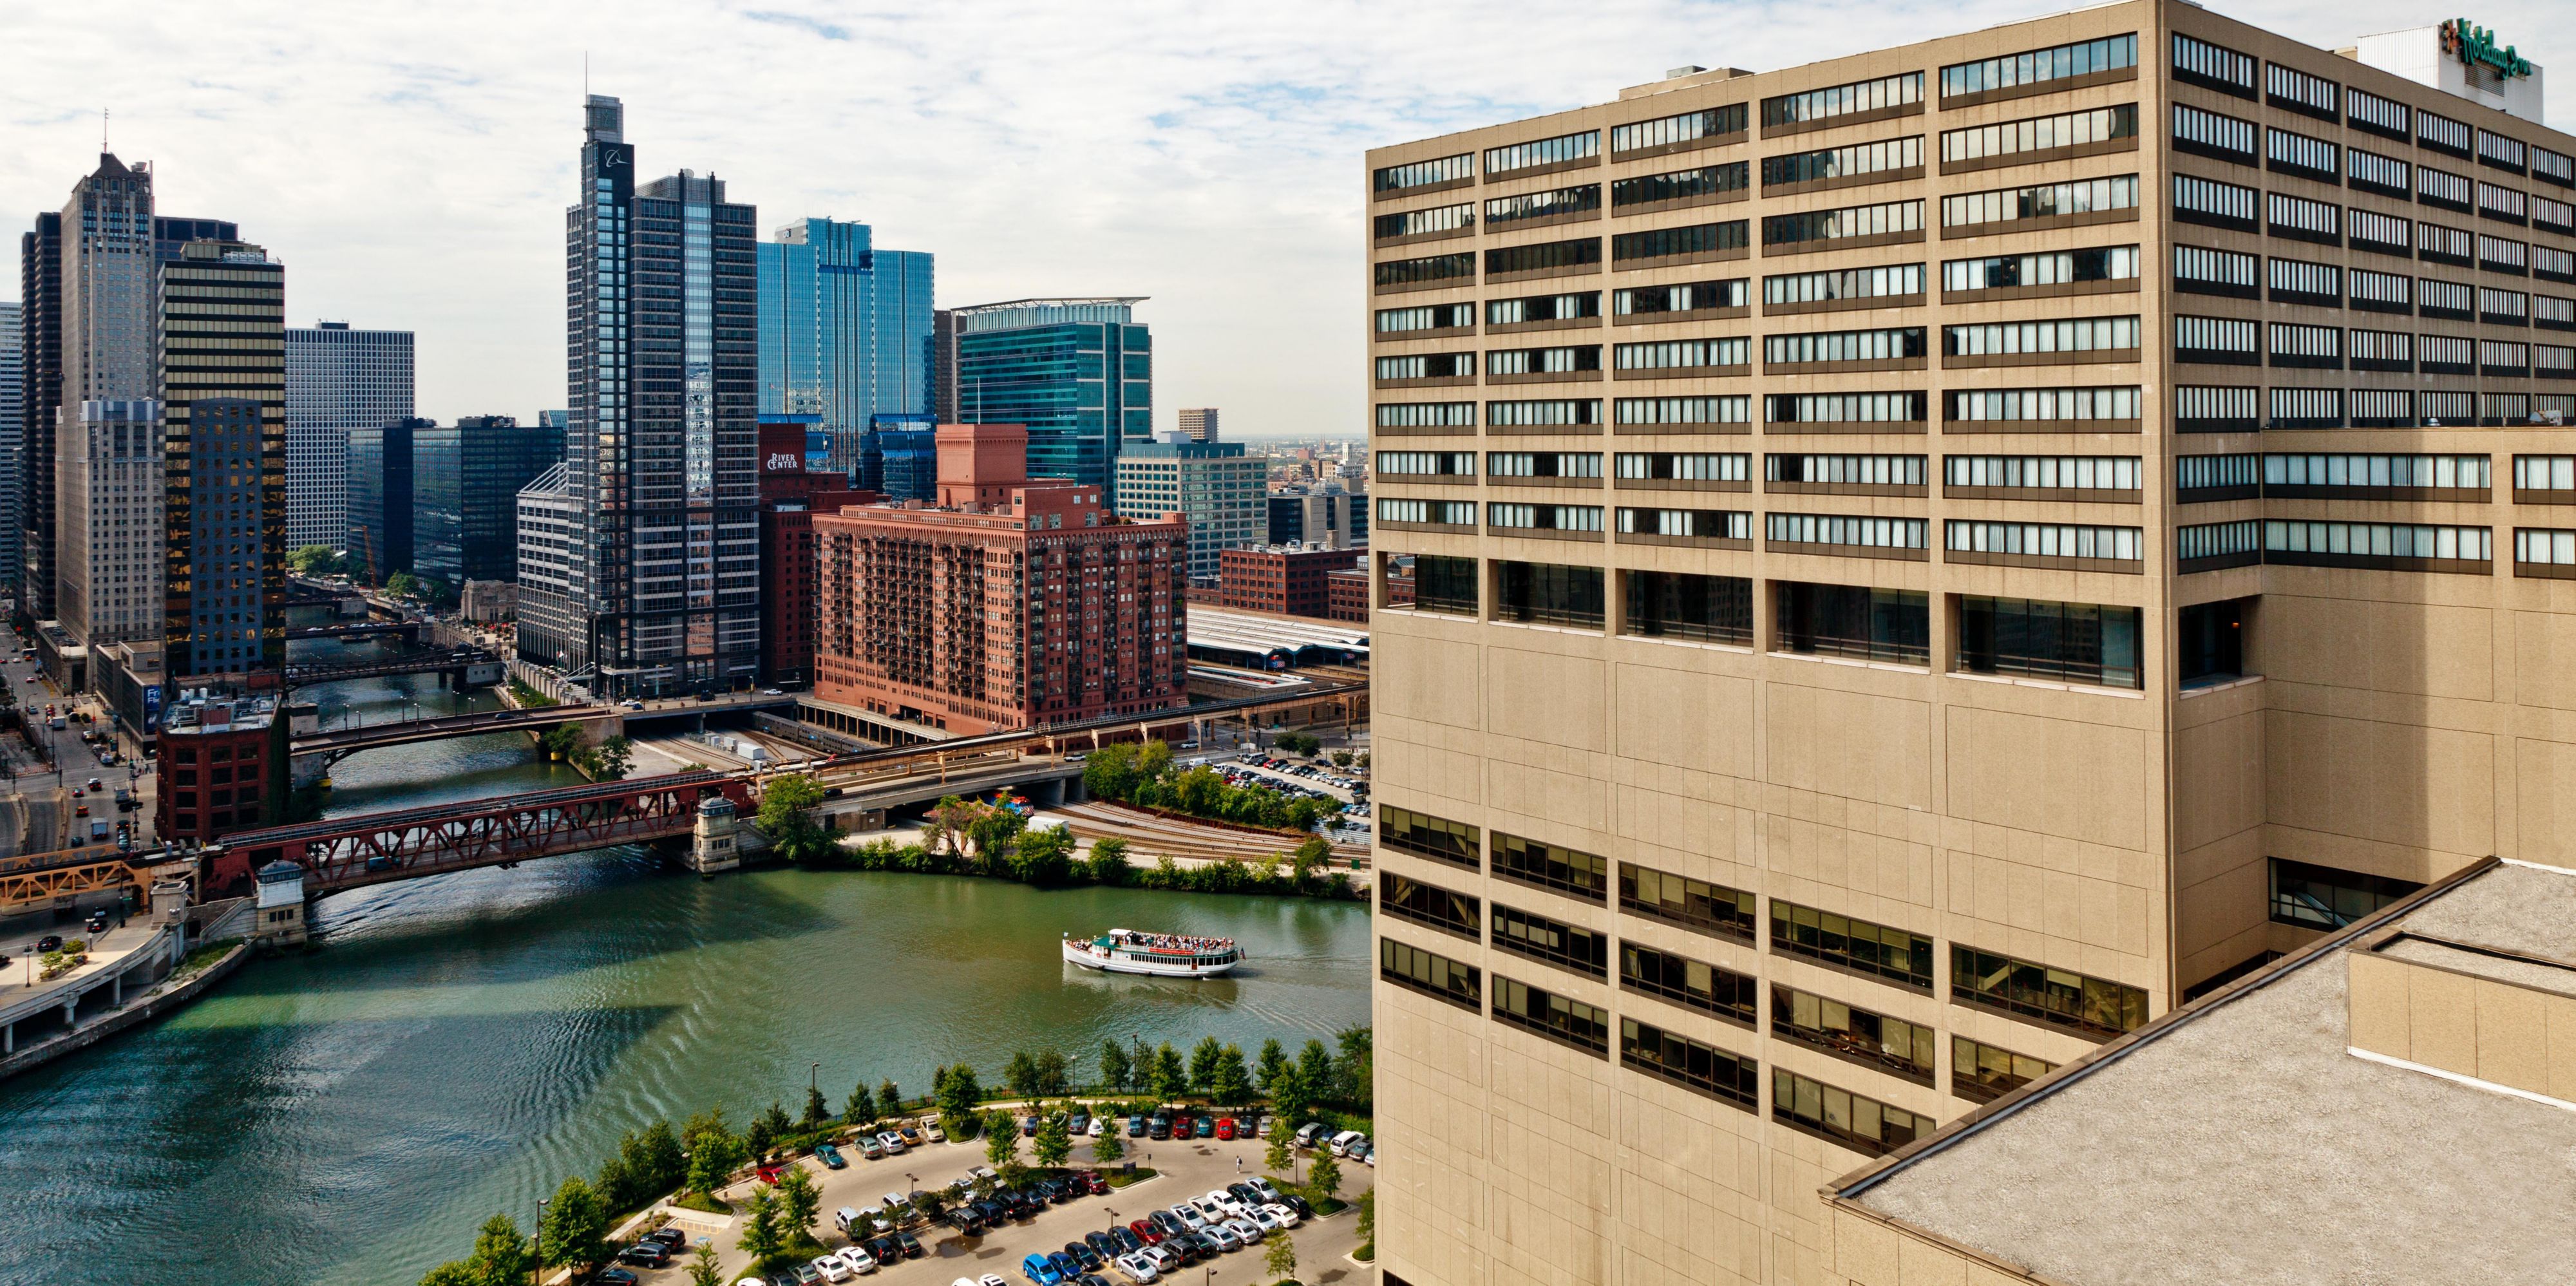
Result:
[[1257, 640]]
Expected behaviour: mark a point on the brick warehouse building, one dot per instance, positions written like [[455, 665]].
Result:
[[1290, 582], [789, 499], [1013, 602]]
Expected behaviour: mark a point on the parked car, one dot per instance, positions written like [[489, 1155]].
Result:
[[1083, 1255], [911, 1246], [1274, 1215], [910, 1135], [1224, 1237], [769, 1172], [1094, 1181], [1207, 1127], [1146, 1231], [870, 1148], [1192, 1218], [930, 1130], [1103, 1245], [1137, 1267], [1245, 1229], [1028, 1125], [614, 1277], [856, 1259], [1136, 1127], [1298, 1204], [1169, 1222], [1099, 1126], [1079, 1123], [1342, 1142], [830, 1157], [1268, 1191], [1309, 1132], [1065, 1268], [831, 1268], [672, 1237], [1162, 1128], [645, 1254], [892, 1142], [1225, 1127], [1037, 1269], [1128, 1241]]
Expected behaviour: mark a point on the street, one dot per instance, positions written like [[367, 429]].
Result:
[[37, 810]]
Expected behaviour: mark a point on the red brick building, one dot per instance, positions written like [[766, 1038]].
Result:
[[1347, 594], [222, 768], [1012, 602], [1289, 582], [789, 499]]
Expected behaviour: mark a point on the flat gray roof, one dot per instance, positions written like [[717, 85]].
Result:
[[2238, 1143]]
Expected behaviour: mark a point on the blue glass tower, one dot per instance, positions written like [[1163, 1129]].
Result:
[[1078, 372], [844, 331]]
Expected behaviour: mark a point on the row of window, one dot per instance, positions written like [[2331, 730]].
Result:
[[2238, 341], [2214, 66], [2114, 404], [2244, 275], [2096, 1008], [2234, 206], [2201, 408]]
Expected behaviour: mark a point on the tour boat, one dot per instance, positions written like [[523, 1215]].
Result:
[[1163, 955]]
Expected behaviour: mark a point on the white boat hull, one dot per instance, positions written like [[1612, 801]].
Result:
[[1081, 953]]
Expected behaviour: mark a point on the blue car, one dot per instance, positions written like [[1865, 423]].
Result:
[[830, 1156], [1037, 1269], [1065, 1268]]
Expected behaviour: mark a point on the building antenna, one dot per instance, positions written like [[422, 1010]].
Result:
[[102, 129]]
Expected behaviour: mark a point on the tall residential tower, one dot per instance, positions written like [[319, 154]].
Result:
[[659, 462], [1762, 787]]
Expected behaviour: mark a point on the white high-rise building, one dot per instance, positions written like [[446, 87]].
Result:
[[337, 379]]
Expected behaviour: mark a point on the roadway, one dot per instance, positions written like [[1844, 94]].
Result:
[[398, 732], [37, 809]]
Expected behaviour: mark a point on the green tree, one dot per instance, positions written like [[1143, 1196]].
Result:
[[1054, 1072], [657, 1163], [1324, 1177], [860, 1109], [1354, 1068], [958, 1096], [1315, 1063], [798, 1203], [817, 1112], [786, 818], [1203, 1061], [1367, 1220], [501, 1255], [767, 1130], [889, 1099], [404, 585], [1110, 772], [616, 1183], [1230, 1084], [992, 832], [1272, 1061], [1278, 1254], [575, 1228], [455, 1272], [1053, 1141], [1154, 759], [761, 1237], [1110, 1146], [611, 760], [1291, 1096], [1107, 865], [1199, 792], [715, 1152], [1282, 1156], [703, 1270], [1021, 1075], [1043, 857], [1341, 759], [314, 560], [1114, 1067], [1001, 1139], [1171, 1075]]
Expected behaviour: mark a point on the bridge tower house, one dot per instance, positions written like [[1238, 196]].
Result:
[[713, 842]]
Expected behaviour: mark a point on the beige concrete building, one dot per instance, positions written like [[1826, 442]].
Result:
[[1923, 561], [2441, 1031]]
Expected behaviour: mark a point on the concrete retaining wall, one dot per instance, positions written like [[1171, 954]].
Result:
[[134, 1015]]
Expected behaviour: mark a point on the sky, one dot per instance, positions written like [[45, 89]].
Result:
[[410, 162]]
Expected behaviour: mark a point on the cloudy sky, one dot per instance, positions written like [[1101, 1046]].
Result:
[[410, 161]]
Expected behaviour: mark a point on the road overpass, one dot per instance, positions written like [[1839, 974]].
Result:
[[474, 668], [368, 629], [337, 744]]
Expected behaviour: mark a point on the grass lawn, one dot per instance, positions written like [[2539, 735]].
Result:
[[713, 1205], [1121, 1178]]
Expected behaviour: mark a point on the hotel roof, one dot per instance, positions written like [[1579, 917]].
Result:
[[2282, 1131]]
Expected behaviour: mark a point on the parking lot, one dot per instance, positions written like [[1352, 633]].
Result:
[[1187, 1168]]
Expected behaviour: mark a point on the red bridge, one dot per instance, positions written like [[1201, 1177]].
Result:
[[373, 848]]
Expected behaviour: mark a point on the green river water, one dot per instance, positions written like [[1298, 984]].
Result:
[[462, 1042]]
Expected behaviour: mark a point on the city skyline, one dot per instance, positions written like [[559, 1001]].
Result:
[[1201, 159]]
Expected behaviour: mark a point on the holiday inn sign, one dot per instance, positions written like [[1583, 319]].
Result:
[[2476, 46]]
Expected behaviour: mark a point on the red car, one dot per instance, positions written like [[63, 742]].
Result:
[[1146, 1232], [1225, 1127], [769, 1173], [1092, 1179]]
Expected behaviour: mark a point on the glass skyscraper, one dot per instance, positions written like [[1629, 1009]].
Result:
[[1078, 372], [465, 495], [844, 331]]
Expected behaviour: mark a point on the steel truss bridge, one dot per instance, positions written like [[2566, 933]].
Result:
[[376, 848], [309, 673]]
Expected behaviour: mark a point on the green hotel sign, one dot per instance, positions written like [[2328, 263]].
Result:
[[2476, 46]]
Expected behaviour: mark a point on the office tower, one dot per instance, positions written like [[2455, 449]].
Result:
[[660, 456], [109, 324], [1322, 519], [1079, 373], [550, 531], [942, 366], [1198, 423], [791, 493], [554, 419], [1014, 602], [223, 329], [109, 466], [465, 495], [1728, 843], [13, 406], [844, 331], [337, 379], [901, 458], [1212, 483], [383, 491]]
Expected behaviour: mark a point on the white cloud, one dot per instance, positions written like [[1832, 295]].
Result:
[[410, 162]]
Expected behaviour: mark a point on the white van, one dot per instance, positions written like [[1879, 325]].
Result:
[[1342, 1142], [843, 1218]]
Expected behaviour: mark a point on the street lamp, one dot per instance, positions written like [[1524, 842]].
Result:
[[536, 1246]]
